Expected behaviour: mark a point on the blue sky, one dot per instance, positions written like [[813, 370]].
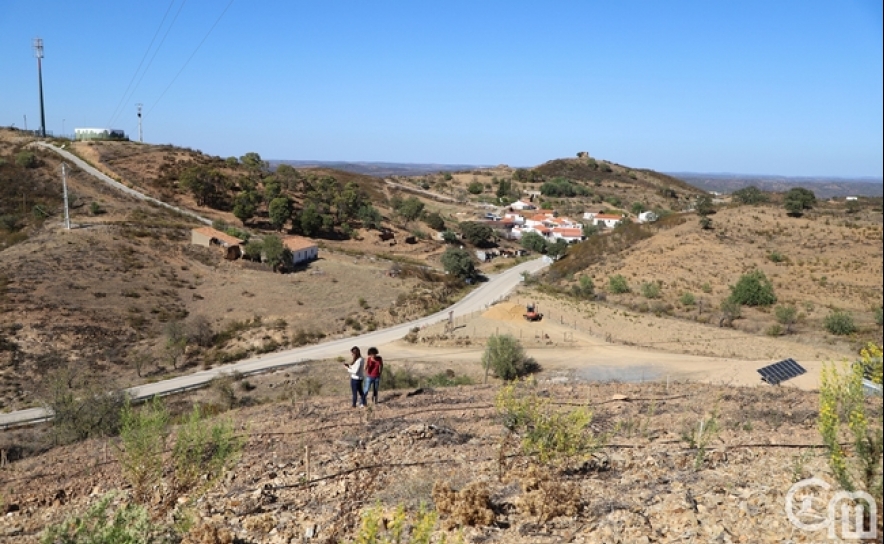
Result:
[[753, 87]]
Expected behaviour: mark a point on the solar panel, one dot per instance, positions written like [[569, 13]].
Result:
[[779, 372]]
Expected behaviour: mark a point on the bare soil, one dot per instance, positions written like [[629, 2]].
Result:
[[312, 464]]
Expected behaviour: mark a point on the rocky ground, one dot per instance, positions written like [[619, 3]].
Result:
[[678, 462]]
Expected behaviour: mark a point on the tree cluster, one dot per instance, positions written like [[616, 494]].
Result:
[[564, 188]]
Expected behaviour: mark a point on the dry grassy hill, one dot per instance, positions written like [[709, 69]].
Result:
[[824, 261]]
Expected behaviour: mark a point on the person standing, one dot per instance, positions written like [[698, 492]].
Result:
[[356, 370], [374, 367]]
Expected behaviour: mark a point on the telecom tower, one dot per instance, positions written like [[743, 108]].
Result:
[[38, 52], [140, 135]]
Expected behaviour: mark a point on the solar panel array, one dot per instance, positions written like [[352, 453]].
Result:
[[779, 372]]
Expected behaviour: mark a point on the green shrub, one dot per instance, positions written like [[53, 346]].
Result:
[[687, 299], [435, 221], [753, 289], [203, 453], [774, 330], [879, 316], [448, 379], [839, 323], [776, 257], [730, 311], [377, 528], [650, 289], [585, 289], [851, 431], [749, 195], [128, 524], [617, 284], [26, 159], [143, 439], [401, 378], [786, 315], [554, 436], [11, 222], [82, 408], [505, 357]]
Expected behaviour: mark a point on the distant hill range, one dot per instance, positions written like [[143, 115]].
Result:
[[380, 169], [821, 186], [722, 183]]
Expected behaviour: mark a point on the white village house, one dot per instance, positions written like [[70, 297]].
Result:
[[606, 219], [303, 249], [521, 205]]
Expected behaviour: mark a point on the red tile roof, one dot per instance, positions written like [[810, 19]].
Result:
[[221, 236], [570, 232]]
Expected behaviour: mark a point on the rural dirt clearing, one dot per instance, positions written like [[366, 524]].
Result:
[[607, 344]]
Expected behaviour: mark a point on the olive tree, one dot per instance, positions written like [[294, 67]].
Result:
[[799, 199], [476, 233], [533, 241], [457, 262]]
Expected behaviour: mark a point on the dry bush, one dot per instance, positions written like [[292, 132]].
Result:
[[469, 506], [308, 386], [208, 534], [546, 495]]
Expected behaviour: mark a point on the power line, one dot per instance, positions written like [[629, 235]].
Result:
[[157, 50], [140, 64], [218, 20]]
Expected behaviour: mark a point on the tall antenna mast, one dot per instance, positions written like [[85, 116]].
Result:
[[140, 134], [64, 184], [38, 52]]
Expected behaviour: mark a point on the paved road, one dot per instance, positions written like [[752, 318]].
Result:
[[86, 167], [497, 287]]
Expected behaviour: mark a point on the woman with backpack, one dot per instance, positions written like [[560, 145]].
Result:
[[374, 367]]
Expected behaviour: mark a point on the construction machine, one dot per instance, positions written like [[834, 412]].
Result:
[[531, 313]]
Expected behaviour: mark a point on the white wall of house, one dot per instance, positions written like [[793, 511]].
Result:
[[306, 254], [609, 222], [521, 205], [516, 218]]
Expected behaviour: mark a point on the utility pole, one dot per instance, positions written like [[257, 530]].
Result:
[[26, 123], [140, 135], [38, 52], [64, 184]]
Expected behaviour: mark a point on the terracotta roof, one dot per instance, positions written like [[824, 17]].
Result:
[[221, 236], [295, 243], [565, 231]]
